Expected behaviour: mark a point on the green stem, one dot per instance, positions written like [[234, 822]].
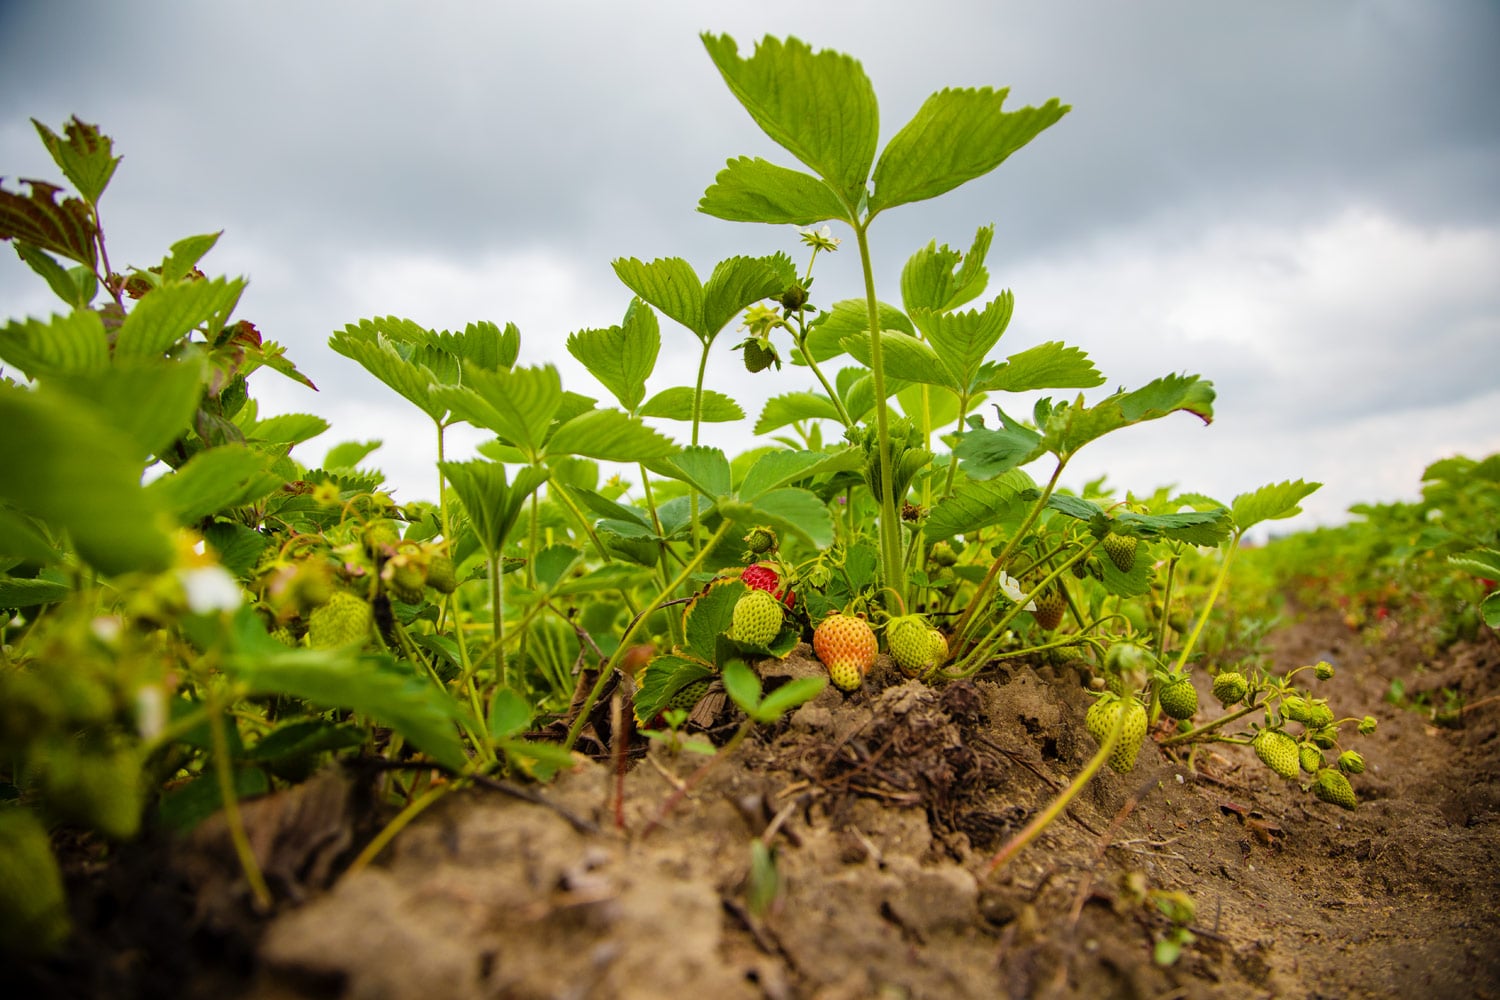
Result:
[[1213, 596], [1003, 558], [1196, 734], [395, 826], [890, 525], [224, 769]]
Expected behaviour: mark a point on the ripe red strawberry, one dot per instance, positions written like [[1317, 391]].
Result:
[[1278, 751], [1179, 699], [1121, 551], [762, 577], [846, 646], [1332, 786], [757, 619], [1050, 605], [915, 645], [1101, 719]]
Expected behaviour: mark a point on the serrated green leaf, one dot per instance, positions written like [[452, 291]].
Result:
[[27, 593], [783, 468], [791, 407], [377, 686], [708, 616], [704, 468], [74, 344], [979, 504], [676, 403], [215, 480], [238, 548], [1269, 503], [65, 228], [21, 538], [303, 737], [850, 318], [1480, 562], [1490, 609], [916, 361], [819, 106], [57, 277], [668, 283], [288, 428], [1052, 365], [621, 357], [605, 507], [553, 562], [612, 577], [348, 454], [377, 345], [794, 510], [185, 254], [492, 502], [609, 435], [663, 677], [70, 469], [167, 314], [517, 404], [151, 400], [956, 136], [1068, 428], [933, 278], [481, 345], [755, 190], [742, 281], [83, 153], [962, 339]]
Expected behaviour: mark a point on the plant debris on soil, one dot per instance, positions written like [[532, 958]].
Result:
[[881, 812]]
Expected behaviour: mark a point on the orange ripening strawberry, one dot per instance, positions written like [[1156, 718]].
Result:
[[846, 646]]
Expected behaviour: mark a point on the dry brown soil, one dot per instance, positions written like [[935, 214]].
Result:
[[882, 810]]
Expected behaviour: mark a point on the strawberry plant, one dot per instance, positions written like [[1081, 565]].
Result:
[[200, 616]]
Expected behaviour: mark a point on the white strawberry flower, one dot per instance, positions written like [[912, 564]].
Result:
[[209, 589], [1011, 588]]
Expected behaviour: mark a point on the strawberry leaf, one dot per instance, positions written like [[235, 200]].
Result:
[[755, 190], [86, 156], [819, 106], [65, 228], [956, 136]]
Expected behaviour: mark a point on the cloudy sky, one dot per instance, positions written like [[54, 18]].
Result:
[[1300, 202]]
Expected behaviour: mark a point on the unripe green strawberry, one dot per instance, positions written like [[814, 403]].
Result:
[[1367, 725], [1350, 762], [1297, 709], [440, 574], [1327, 738], [1101, 718], [344, 620], [97, 789], [379, 536], [33, 910], [1278, 751], [846, 646], [1179, 699], [915, 645], [1121, 551], [1331, 786], [1319, 714], [1323, 670], [1230, 687], [688, 695], [1309, 757], [1050, 605], [757, 619], [760, 540], [942, 554]]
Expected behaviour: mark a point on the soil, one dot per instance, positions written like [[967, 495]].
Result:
[[882, 811]]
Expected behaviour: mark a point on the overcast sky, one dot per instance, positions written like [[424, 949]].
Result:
[[1298, 201]]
